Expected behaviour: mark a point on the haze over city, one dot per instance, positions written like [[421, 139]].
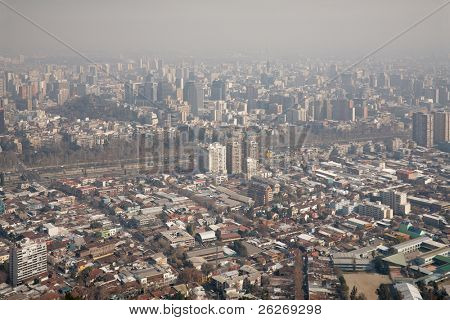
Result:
[[203, 27]]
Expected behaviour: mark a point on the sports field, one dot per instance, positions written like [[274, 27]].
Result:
[[366, 282]]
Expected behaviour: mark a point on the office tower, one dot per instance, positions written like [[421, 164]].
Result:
[[234, 156], [2, 121], [130, 94], [251, 95], [217, 159], [193, 94], [343, 110], [27, 259], [423, 129], [441, 128], [418, 87], [2, 85], [218, 90], [164, 90], [396, 200], [159, 64], [179, 83], [443, 95], [383, 80], [151, 91], [184, 113]]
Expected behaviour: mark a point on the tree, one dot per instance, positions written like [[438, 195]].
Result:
[[240, 249], [386, 292], [207, 268], [342, 290], [190, 228], [354, 293], [381, 266], [189, 275], [96, 225], [361, 296]]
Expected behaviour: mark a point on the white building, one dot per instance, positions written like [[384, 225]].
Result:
[[251, 168], [217, 160], [376, 210], [26, 260]]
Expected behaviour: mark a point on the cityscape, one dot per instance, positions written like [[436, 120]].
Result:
[[236, 177]]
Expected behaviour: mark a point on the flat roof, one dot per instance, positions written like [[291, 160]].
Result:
[[411, 242]]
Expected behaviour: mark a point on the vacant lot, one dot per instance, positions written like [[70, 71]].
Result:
[[366, 282]]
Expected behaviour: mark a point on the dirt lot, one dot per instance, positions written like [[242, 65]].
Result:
[[366, 282]]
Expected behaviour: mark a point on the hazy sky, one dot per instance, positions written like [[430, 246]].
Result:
[[209, 27]]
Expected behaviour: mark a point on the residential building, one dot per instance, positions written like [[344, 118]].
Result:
[[27, 259]]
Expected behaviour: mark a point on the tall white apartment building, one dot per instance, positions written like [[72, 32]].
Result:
[[251, 168], [217, 159], [26, 260]]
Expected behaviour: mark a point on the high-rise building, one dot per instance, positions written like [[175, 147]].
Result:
[[251, 149], [441, 130], [27, 259], [251, 168], [2, 85], [217, 159], [151, 91], [261, 193], [164, 90], [393, 144], [343, 110], [252, 96], [184, 113], [423, 129], [443, 95], [234, 156], [2, 121], [383, 80], [194, 95], [218, 90], [396, 200]]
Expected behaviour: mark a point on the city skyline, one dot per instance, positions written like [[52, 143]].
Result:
[[234, 150]]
